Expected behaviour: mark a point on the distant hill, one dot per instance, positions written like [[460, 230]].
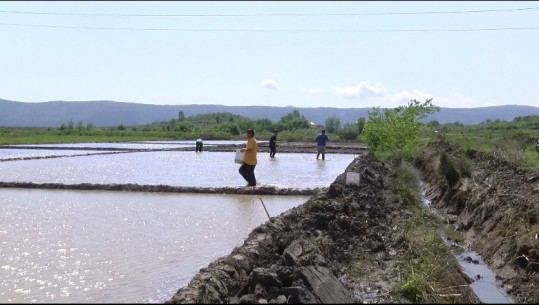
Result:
[[110, 113]]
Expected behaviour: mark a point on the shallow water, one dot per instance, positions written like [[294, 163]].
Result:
[[131, 145], [13, 153], [63, 246], [176, 168], [485, 287]]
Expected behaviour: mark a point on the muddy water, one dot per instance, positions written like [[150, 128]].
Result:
[[6, 154], [130, 145], [207, 169], [484, 285], [92, 247]]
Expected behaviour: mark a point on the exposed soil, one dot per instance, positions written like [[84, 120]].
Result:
[[134, 187], [497, 211], [305, 254]]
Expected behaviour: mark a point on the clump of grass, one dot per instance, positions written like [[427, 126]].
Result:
[[405, 185], [464, 166], [413, 287], [429, 265], [448, 170]]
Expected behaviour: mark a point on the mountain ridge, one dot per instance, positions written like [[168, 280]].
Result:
[[112, 113]]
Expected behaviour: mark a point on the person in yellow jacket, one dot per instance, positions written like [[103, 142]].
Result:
[[247, 168]]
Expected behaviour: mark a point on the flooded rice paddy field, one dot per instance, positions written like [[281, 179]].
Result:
[[10, 154], [68, 246], [176, 168], [128, 145]]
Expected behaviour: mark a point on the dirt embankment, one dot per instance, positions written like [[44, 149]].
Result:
[[497, 210], [290, 147], [304, 255]]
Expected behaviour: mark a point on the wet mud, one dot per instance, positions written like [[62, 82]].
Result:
[[133, 187]]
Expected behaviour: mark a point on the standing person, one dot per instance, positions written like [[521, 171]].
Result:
[[198, 145], [321, 140], [247, 168], [273, 143]]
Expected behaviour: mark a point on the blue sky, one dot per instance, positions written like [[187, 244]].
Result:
[[304, 54]]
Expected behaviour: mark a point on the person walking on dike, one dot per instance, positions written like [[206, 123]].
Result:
[[198, 145], [321, 140], [247, 168], [273, 143]]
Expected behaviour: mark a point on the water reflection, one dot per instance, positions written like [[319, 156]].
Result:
[[130, 145], [91, 247], [207, 169], [13, 153]]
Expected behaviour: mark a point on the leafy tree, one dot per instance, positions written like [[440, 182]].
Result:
[[181, 116], [333, 124], [351, 131], [80, 125], [293, 121], [396, 130]]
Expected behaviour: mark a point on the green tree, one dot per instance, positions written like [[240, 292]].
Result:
[[293, 121], [80, 125], [181, 116], [333, 124], [351, 131], [396, 130]]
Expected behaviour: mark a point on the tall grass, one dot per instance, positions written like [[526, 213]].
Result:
[[429, 265], [515, 146]]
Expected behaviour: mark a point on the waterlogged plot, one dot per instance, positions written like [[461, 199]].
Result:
[[131, 145], [175, 168], [117, 247], [13, 153], [123, 145]]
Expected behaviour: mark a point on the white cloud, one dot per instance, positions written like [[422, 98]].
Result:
[[377, 94], [360, 91], [457, 100], [270, 84], [314, 90]]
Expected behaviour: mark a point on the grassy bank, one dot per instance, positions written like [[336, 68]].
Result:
[[17, 135], [428, 271], [431, 274]]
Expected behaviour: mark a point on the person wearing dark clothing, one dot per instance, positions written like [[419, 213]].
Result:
[[273, 144], [198, 145], [247, 168], [321, 140]]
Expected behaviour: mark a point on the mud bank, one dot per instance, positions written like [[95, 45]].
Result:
[[496, 209], [304, 254], [287, 147], [133, 187]]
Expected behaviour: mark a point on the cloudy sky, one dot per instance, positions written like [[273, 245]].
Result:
[[303, 54]]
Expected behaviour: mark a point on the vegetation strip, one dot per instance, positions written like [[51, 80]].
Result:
[[258, 190]]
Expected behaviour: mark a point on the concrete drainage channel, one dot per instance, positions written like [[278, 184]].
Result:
[[484, 283]]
